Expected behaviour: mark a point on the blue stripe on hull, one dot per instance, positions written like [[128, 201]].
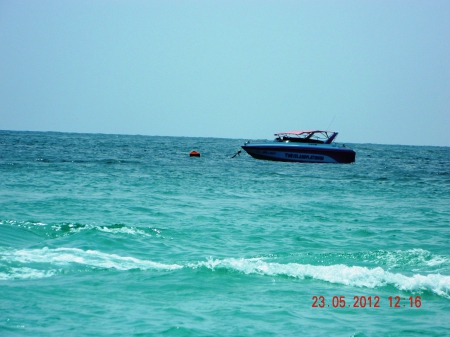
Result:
[[301, 154]]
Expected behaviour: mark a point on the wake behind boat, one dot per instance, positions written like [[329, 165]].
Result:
[[313, 146]]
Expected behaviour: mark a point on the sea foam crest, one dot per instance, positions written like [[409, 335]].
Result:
[[65, 229], [412, 257], [341, 274], [19, 262], [26, 273], [114, 229], [91, 258], [124, 230]]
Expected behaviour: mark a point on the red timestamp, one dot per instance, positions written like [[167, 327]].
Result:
[[366, 302]]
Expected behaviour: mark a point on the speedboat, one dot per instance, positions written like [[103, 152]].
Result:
[[313, 146]]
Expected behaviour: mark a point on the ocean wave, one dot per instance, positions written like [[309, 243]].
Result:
[[26, 273], [46, 262], [65, 229], [417, 259], [412, 257], [89, 258], [355, 276]]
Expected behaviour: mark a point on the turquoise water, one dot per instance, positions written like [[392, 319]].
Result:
[[128, 235]]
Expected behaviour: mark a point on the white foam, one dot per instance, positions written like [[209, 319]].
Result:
[[412, 257], [124, 230], [341, 274], [355, 276], [73, 228], [26, 273], [92, 258]]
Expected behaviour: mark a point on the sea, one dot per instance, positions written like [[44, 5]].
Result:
[[127, 235]]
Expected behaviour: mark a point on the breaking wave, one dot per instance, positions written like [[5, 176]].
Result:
[[355, 276], [89, 258], [46, 262], [65, 229]]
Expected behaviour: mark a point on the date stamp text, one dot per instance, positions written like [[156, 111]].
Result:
[[366, 302]]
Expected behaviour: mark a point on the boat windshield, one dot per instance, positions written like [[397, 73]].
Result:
[[320, 137]]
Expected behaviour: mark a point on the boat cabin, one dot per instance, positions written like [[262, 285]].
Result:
[[310, 137]]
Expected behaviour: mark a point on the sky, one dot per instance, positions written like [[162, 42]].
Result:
[[375, 71]]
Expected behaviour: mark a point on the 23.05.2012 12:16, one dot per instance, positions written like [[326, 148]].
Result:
[[365, 302]]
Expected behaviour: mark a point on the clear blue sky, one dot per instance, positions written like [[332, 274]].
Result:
[[228, 68]]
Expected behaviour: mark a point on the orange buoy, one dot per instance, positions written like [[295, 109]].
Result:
[[194, 154]]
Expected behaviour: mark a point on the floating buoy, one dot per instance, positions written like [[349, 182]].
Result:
[[194, 154]]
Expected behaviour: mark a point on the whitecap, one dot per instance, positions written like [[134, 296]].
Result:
[[90, 258], [355, 276]]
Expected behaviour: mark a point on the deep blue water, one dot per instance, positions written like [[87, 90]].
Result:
[[128, 235]]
